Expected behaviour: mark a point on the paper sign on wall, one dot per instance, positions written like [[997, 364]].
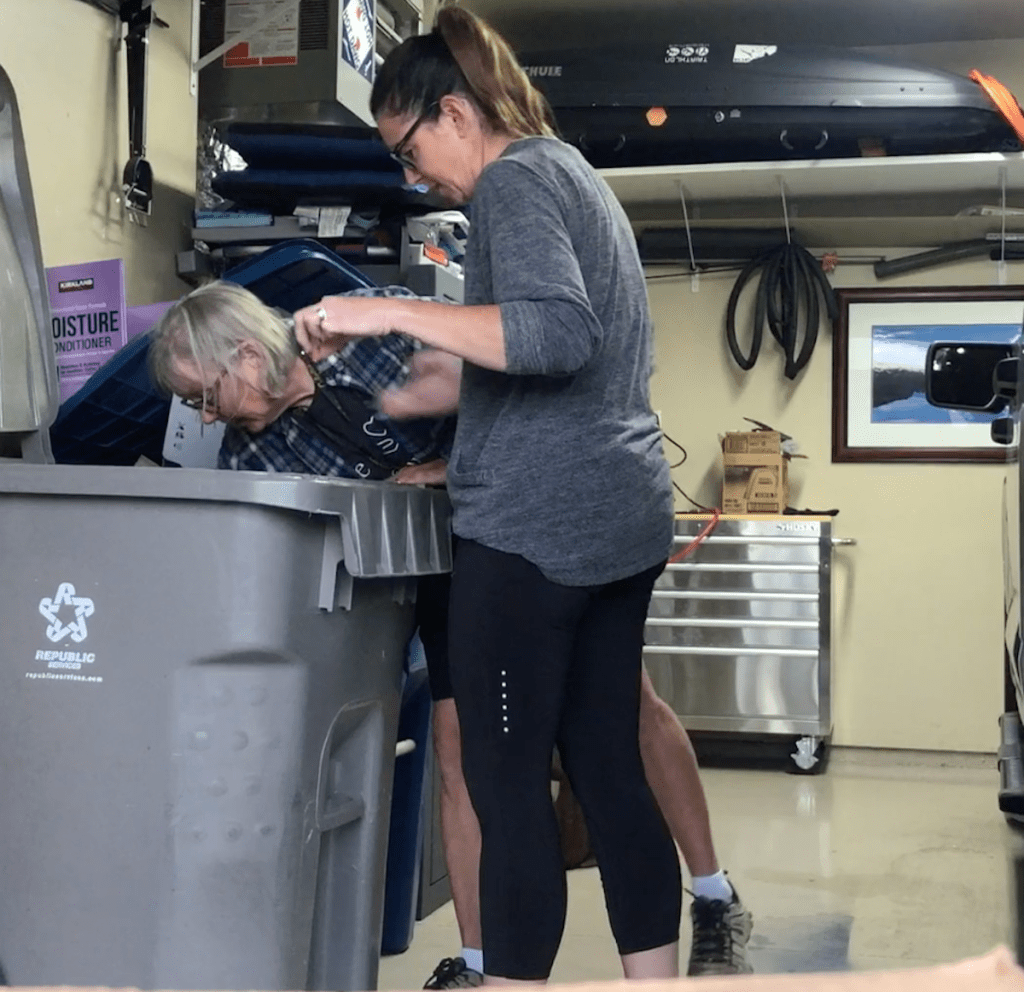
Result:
[[359, 28], [276, 44]]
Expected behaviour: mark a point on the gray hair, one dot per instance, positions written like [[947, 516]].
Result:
[[209, 324]]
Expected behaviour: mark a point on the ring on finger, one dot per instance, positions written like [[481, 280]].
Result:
[[321, 314]]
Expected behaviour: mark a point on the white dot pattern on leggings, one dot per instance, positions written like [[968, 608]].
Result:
[[504, 705]]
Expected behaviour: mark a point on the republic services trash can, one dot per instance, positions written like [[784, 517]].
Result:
[[200, 677], [199, 693]]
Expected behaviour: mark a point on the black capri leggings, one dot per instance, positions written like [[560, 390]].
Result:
[[535, 664]]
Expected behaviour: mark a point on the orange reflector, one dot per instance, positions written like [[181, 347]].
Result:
[[656, 116], [437, 255]]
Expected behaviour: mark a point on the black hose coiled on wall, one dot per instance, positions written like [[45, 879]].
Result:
[[791, 279]]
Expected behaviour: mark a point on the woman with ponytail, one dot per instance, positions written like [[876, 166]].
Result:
[[562, 499]]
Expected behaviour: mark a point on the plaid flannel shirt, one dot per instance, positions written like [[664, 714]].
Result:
[[366, 365]]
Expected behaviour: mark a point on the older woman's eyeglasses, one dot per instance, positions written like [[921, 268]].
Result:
[[209, 402], [398, 152]]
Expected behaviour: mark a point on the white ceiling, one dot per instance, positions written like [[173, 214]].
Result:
[[563, 23]]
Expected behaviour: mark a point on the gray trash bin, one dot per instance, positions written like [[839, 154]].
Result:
[[199, 696], [199, 693]]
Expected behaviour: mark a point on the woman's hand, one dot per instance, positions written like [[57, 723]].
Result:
[[432, 389], [327, 326], [428, 474]]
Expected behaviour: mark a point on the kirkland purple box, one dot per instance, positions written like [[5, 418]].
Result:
[[88, 321]]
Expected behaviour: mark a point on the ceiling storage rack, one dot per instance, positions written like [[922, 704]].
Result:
[[912, 201]]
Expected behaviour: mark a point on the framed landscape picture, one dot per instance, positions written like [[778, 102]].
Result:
[[879, 409]]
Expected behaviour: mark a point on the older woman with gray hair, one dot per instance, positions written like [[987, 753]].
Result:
[[233, 358]]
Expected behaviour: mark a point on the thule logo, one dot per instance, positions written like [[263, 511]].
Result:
[[542, 70]]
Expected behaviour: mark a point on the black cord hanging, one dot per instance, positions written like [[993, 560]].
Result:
[[791, 280]]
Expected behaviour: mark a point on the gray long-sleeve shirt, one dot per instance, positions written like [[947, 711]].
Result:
[[559, 458]]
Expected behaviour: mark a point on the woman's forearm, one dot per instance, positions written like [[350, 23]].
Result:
[[474, 333]]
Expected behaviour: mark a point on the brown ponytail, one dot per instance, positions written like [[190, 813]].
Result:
[[494, 77], [462, 55]]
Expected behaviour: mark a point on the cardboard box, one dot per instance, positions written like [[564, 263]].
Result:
[[756, 473]]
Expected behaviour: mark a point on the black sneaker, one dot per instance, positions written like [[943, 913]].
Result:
[[452, 973], [720, 933]]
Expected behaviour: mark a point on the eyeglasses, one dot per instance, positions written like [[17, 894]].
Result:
[[209, 402], [405, 161]]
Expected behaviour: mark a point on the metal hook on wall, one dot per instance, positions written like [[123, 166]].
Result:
[[785, 210], [694, 273]]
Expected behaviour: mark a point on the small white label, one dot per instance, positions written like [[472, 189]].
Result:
[[332, 221], [188, 441], [751, 53], [687, 54]]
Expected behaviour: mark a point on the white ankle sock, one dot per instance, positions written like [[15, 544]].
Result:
[[474, 958], [715, 886]]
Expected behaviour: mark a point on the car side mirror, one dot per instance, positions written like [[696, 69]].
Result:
[[961, 375]]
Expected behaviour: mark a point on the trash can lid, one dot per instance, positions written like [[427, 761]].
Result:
[[387, 529]]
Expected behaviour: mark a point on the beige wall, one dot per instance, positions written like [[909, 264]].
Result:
[[70, 85], [919, 598]]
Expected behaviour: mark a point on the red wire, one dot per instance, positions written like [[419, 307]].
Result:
[[696, 542], [1004, 100]]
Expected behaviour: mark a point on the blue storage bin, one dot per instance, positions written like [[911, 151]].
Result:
[[115, 417], [298, 273]]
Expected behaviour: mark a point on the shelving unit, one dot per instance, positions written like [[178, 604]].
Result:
[[907, 201]]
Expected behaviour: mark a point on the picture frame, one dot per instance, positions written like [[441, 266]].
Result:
[[879, 347]]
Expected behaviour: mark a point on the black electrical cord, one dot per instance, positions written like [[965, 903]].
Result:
[[679, 488], [791, 280]]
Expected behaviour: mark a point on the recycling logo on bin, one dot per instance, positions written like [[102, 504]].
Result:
[[66, 614], [50, 608]]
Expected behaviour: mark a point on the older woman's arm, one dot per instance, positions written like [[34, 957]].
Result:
[[432, 389]]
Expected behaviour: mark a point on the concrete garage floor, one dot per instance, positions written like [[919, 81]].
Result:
[[887, 860]]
